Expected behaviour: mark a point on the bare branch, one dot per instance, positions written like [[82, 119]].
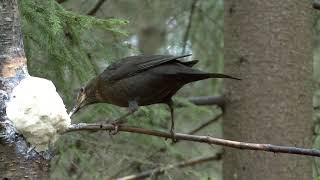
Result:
[[197, 129], [186, 35], [207, 123], [95, 9], [161, 170], [205, 101], [61, 1], [208, 100], [201, 139]]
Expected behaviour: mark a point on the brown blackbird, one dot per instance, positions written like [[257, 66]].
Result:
[[139, 81]]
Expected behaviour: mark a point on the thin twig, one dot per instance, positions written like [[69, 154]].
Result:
[[95, 9], [197, 129], [207, 123], [161, 170], [61, 1], [186, 35], [196, 138]]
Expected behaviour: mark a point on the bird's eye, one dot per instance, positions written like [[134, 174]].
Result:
[[81, 90]]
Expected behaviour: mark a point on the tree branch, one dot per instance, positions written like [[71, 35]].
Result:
[[95, 9], [161, 170], [186, 35], [201, 139], [207, 123], [17, 159], [208, 100], [205, 101], [61, 1], [197, 129]]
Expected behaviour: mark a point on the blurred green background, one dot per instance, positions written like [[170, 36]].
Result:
[[71, 41]]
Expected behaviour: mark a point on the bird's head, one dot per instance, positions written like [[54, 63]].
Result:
[[81, 101], [85, 96]]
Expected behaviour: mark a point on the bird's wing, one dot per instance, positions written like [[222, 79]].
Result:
[[132, 65], [159, 59]]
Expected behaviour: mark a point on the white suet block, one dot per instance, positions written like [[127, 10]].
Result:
[[38, 112]]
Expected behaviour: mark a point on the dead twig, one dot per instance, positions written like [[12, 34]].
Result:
[[161, 170], [201, 139], [207, 123], [61, 1], [186, 35], [95, 9]]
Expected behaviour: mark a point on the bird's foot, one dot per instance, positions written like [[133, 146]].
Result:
[[115, 129], [173, 136]]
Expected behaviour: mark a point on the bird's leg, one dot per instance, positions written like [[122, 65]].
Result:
[[170, 104], [132, 107]]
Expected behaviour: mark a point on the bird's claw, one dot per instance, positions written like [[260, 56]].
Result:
[[173, 136], [115, 129]]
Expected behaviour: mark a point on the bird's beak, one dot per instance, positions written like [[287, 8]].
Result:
[[74, 110], [81, 101]]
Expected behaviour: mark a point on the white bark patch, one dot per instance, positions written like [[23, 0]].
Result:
[[38, 112]]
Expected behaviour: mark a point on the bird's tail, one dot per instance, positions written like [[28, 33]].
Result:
[[198, 75]]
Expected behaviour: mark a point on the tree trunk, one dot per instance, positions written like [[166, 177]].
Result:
[[17, 161], [269, 45]]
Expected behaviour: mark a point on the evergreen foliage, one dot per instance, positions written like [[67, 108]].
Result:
[[56, 42], [69, 49]]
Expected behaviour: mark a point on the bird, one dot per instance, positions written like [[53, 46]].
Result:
[[141, 80]]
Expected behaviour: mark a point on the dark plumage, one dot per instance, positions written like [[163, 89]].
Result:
[[141, 80]]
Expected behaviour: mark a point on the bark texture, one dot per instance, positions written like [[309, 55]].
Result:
[[269, 45], [17, 161]]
